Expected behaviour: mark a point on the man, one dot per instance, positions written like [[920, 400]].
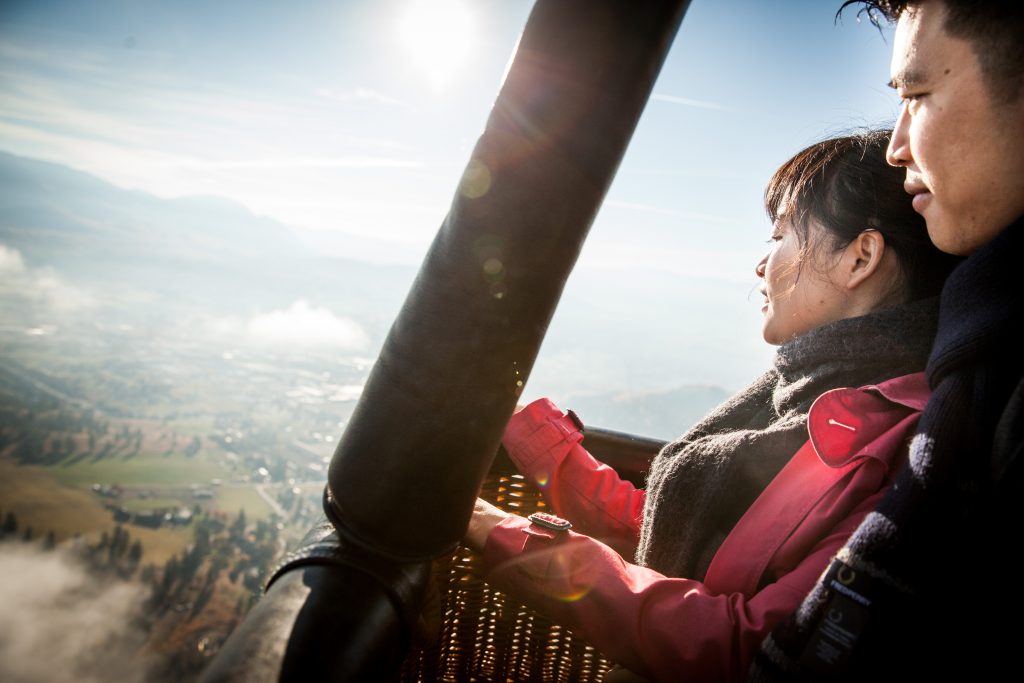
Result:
[[928, 585], [960, 132]]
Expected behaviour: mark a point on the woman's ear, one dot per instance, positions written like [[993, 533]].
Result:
[[862, 258]]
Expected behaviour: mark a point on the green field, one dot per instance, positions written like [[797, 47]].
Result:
[[144, 504], [145, 469], [39, 500], [231, 499]]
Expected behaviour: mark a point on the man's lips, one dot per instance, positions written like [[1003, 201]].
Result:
[[922, 195], [920, 201], [915, 187]]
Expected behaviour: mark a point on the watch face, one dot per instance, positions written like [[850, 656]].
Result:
[[543, 519], [575, 420]]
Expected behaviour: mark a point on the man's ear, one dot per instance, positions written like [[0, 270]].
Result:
[[862, 258]]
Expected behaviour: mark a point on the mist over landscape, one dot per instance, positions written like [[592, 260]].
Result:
[[176, 373], [93, 273]]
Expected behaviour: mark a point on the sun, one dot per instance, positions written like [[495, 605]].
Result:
[[439, 36]]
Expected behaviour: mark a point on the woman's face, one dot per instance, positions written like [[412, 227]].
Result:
[[799, 290]]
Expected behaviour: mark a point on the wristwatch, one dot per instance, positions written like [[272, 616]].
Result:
[[546, 521]]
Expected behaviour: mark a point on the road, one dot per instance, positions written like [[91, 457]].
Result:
[[274, 505]]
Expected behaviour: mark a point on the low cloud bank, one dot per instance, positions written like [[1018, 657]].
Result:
[[60, 624], [40, 286], [301, 325]]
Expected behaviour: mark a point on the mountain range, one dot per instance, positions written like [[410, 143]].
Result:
[[643, 351]]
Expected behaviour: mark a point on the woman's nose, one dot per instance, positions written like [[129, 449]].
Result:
[[759, 268]]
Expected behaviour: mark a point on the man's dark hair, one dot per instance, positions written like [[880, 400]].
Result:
[[994, 28]]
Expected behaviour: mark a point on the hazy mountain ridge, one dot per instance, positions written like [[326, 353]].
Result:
[[178, 262], [203, 253], [91, 205], [656, 414]]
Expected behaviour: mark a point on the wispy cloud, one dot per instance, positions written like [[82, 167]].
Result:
[[41, 287], [690, 215], [690, 102], [711, 264], [30, 53], [303, 324], [281, 154], [359, 94], [309, 162], [11, 262], [299, 326]]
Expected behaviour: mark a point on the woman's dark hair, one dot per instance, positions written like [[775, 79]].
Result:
[[845, 186]]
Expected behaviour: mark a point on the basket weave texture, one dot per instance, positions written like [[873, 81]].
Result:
[[488, 636]]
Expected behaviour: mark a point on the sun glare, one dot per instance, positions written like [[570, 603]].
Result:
[[439, 36]]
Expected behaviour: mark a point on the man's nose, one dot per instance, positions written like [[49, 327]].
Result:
[[898, 152]]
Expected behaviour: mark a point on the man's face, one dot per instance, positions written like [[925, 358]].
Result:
[[963, 148]]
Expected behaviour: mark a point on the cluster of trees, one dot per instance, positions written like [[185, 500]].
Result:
[[174, 585], [240, 551], [9, 530], [209, 587], [114, 553], [302, 511], [39, 429]]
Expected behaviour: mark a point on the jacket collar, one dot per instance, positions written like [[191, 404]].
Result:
[[847, 423]]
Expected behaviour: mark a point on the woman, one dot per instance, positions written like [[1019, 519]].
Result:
[[743, 512]]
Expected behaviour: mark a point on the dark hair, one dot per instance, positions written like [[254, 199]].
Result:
[[994, 28], [845, 185]]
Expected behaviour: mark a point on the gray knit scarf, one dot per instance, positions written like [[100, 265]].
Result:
[[935, 593], [701, 484]]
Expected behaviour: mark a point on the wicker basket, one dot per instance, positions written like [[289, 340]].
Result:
[[487, 636]]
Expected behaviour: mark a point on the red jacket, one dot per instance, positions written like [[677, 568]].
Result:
[[675, 628]]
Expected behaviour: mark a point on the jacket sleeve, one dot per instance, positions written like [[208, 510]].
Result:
[[666, 629], [544, 444]]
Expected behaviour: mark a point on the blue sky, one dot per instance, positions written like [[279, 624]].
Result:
[[328, 116], [341, 120]]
